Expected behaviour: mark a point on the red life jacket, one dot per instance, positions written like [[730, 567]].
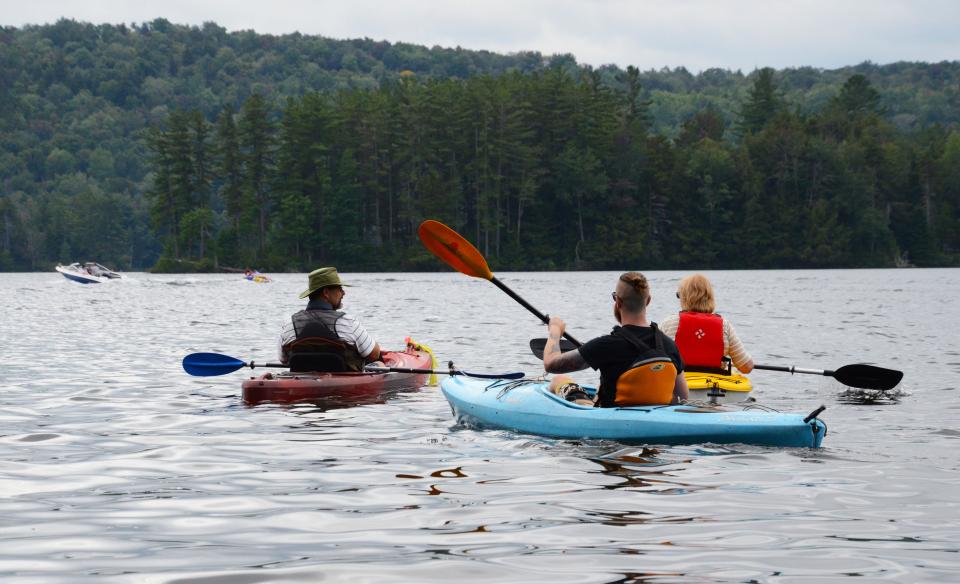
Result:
[[700, 339]]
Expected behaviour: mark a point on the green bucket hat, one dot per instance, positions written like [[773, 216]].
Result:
[[321, 278]]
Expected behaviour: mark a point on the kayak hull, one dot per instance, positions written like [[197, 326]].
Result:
[[290, 387], [529, 407]]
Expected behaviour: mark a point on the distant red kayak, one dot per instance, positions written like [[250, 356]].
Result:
[[291, 387]]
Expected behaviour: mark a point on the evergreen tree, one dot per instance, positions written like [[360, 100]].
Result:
[[763, 103], [256, 142], [173, 185], [858, 97], [227, 166], [947, 215]]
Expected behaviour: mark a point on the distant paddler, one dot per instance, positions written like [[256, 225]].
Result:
[[255, 276]]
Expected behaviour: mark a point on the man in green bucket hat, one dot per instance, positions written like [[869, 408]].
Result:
[[322, 337]]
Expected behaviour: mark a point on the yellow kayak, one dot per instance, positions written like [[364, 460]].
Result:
[[731, 388]]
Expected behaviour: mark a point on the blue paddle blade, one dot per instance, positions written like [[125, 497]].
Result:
[[210, 364]]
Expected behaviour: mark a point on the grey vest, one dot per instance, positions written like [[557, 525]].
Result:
[[316, 332]]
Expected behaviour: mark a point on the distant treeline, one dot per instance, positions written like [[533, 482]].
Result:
[[200, 149], [548, 171]]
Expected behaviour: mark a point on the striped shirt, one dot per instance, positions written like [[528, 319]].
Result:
[[349, 330], [732, 346]]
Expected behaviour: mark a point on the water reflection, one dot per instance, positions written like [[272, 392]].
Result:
[[350, 399], [870, 396], [115, 465]]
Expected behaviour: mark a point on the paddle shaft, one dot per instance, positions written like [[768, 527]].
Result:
[[513, 375], [543, 317], [792, 369], [372, 369], [253, 365], [458, 253]]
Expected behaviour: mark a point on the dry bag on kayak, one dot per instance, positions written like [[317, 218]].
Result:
[[651, 377]]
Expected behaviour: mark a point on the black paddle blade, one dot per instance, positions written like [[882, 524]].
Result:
[[537, 345], [511, 375], [868, 376]]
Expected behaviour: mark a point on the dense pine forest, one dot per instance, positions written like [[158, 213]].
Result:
[[190, 148]]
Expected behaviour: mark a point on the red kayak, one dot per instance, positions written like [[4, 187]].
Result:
[[291, 387]]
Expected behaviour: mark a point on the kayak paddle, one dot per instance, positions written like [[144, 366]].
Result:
[[858, 375], [210, 364], [459, 254]]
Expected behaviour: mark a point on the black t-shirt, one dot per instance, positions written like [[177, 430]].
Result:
[[613, 354]]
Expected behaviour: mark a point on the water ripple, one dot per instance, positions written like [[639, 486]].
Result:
[[118, 467]]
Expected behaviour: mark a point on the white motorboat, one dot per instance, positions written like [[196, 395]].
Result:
[[88, 273]]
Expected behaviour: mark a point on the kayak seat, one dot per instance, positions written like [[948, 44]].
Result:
[[323, 362], [724, 369], [322, 355]]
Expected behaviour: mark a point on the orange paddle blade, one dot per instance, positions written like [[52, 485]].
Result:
[[452, 248]]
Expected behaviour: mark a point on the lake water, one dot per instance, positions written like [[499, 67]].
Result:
[[116, 466]]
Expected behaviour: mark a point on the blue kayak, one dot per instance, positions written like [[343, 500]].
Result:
[[528, 406]]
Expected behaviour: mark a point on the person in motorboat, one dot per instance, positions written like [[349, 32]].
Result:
[[638, 364], [705, 338], [81, 268], [95, 269], [322, 337]]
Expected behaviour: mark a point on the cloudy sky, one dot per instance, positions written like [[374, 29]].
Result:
[[697, 34]]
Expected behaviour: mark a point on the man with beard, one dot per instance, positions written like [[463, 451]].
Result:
[[322, 337], [638, 364]]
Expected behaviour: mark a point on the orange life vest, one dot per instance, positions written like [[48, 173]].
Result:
[[652, 376], [700, 339]]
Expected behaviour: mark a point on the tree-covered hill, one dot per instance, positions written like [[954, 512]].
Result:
[[91, 117]]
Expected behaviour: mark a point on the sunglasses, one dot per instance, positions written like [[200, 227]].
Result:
[[614, 296]]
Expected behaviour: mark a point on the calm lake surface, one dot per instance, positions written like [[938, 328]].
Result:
[[117, 466]]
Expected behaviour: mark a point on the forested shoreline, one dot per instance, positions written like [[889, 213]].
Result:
[[185, 148]]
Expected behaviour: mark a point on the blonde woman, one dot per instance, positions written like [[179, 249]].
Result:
[[704, 337]]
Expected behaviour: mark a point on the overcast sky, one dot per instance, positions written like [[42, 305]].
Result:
[[697, 34]]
